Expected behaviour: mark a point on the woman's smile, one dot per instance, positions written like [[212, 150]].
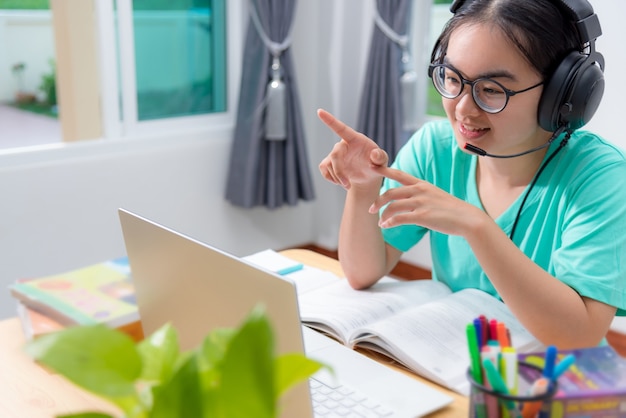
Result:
[[470, 132]]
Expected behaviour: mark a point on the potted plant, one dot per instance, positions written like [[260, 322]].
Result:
[[234, 372], [21, 96]]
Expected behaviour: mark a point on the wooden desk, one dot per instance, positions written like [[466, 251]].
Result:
[[27, 390]]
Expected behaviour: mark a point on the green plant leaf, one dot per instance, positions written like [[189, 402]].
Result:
[[247, 371], [97, 358], [182, 395], [233, 374], [215, 345], [292, 369], [159, 353]]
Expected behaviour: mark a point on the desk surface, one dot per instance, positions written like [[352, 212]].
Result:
[[27, 390]]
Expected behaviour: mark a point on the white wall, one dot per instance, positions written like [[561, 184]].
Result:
[[608, 120], [56, 216], [58, 207], [24, 38]]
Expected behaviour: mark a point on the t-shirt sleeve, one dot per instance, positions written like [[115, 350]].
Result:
[[592, 256]]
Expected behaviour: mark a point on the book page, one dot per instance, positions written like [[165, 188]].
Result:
[[431, 340], [306, 278], [273, 261], [311, 278], [338, 309]]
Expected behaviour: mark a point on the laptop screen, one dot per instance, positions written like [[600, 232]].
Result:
[[199, 288]]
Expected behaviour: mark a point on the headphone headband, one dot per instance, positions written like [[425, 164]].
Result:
[[578, 11]]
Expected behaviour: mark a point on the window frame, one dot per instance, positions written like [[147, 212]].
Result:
[[118, 74], [114, 137]]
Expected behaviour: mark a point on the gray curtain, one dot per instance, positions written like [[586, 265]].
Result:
[[381, 109], [266, 172]]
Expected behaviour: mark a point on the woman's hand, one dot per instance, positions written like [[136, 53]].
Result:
[[354, 159], [418, 202]]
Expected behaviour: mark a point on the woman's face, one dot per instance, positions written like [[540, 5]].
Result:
[[479, 51]]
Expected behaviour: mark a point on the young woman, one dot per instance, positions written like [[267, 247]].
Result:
[[534, 211]]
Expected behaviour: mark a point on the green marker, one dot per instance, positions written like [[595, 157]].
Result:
[[498, 385], [477, 375], [472, 342]]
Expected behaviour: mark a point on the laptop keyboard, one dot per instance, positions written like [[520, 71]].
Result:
[[343, 401]]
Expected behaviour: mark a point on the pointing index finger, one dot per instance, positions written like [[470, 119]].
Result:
[[397, 175], [344, 131]]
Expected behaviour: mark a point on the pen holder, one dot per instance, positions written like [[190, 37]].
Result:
[[487, 403]]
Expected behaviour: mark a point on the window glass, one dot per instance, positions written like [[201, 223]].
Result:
[[180, 57], [440, 13]]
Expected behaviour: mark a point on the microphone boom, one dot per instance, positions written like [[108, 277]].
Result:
[[482, 153]]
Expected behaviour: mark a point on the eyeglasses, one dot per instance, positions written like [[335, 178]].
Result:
[[488, 94]]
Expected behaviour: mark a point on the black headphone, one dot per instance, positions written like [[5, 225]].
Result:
[[572, 94]]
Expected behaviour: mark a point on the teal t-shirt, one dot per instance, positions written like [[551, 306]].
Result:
[[573, 224]]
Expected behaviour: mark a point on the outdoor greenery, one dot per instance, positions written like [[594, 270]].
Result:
[[25, 4], [49, 85], [233, 373], [28, 101], [36, 107], [435, 105]]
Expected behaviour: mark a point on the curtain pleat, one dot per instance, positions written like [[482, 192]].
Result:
[[380, 110], [263, 172]]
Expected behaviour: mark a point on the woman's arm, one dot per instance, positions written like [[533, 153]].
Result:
[[363, 254], [352, 164], [550, 309]]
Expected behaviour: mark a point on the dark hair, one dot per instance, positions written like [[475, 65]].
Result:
[[542, 33]]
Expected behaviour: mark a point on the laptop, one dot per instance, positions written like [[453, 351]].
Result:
[[197, 288]]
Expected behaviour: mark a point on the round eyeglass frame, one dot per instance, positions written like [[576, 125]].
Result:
[[508, 93]]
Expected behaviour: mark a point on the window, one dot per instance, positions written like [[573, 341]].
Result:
[[172, 60], [179, 57], [27, 69], [440, 13]]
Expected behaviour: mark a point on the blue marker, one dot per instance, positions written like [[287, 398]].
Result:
[[290, 269], [550, 359], [563, 365], [478, 325]]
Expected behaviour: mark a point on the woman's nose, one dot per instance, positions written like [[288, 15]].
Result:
[[465, 103]]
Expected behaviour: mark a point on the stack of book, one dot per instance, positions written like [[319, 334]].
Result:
[[99, 293]]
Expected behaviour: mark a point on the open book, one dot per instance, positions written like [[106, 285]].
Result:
[[420, 324]]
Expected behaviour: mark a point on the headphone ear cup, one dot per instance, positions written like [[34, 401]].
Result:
[[573, 93], [586, 96], [556, 91]]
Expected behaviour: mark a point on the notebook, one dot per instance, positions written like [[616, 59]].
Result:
[[198, 287]]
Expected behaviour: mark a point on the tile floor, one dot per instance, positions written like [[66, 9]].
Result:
[[19, 128]]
